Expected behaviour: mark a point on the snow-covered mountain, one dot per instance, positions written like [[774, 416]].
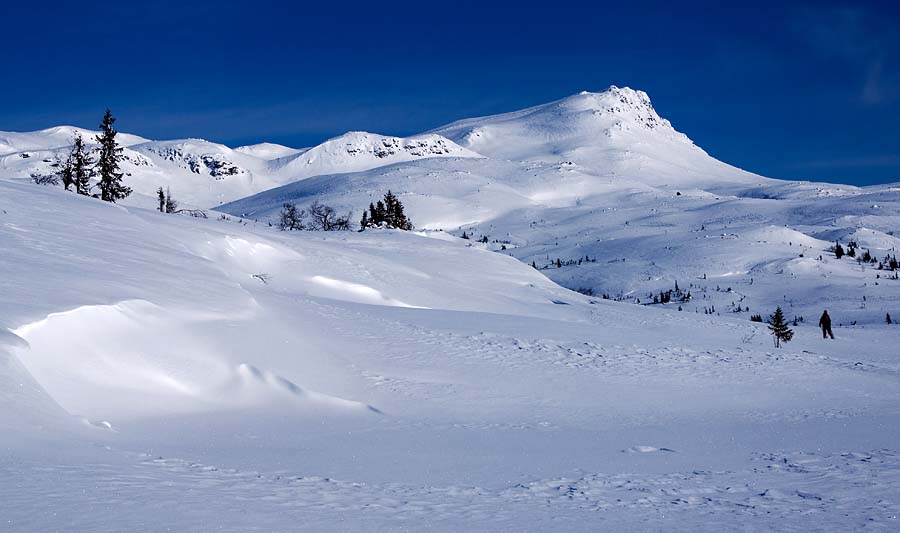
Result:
[[602, 176], [203, 174], [616, 132]]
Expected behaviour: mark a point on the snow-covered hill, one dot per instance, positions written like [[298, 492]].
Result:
[[203, 174]]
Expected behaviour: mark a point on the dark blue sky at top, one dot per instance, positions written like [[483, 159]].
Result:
[[807, 90]]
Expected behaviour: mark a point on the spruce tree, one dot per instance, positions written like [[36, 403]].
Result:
[[364, 221], [838, 250], [779, 328], [379, 216], [111, 187], [394, 215], [81, 166], [887, 319], [390, 205], [66, 173], [171, 204], [161, 196]]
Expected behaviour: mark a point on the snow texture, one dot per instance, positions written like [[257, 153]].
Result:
[[166, 372]]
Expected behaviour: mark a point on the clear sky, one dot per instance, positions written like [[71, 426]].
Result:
[[807, 90]]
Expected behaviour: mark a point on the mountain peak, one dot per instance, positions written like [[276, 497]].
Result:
[[575, 128], [623, 102]]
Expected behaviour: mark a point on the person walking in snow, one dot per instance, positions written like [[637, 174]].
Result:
[[825, 324]]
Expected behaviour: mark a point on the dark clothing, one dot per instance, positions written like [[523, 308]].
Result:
[[825, 324]]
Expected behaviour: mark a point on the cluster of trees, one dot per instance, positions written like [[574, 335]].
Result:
[[80, 166], [386, 213], [559, 263], [466, 236], [838, 250], [167, 204], [670, 295], [317, 217], [888, 263]]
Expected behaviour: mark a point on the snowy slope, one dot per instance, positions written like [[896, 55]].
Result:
[[50, 138], [268, 151], [241, 377], [203, 174]]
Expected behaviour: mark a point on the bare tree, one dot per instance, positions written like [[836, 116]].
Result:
[[325, 218], [290, 218]]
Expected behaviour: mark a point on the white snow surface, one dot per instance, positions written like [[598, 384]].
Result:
[[202, 174], [164, 372]]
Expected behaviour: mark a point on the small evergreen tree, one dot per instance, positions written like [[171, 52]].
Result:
[[887, 319], [390, 206], [111, 187], [364, 221], [395, 216], [838, 250], [171, 203], [81, 166], [779, 328], [379, 216], [67, 173], [161, 197]]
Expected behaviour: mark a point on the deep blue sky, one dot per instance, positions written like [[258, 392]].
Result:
[[807, 90]]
